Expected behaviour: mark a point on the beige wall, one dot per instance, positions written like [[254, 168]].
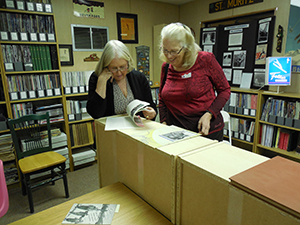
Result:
[[149, 13], [198, 11]]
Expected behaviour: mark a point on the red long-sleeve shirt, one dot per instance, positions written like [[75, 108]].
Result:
[[187, 95]]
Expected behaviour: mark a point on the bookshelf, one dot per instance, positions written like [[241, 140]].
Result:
[[80, 123], [281, 116], [263, 140], [31, 78], [242, 107]]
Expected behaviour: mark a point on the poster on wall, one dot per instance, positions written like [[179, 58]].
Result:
[[90, 9], [293, 33], [142, 53], [261, 54], [127, 25]]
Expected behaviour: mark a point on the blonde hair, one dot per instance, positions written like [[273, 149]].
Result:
[[181, 33], [114, 49]]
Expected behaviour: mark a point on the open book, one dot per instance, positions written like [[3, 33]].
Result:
[[133, 108]]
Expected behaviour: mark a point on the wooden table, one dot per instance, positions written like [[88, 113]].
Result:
[[133, 210]]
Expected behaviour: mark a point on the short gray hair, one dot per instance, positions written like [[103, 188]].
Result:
[[114, 49], [181, 33]]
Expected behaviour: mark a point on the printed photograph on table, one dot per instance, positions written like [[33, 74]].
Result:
[[90, 214]]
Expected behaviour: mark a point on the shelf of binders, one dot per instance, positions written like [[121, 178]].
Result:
[[76, 82], [27, 25], [242, 107], [279, 125], [75, 86]]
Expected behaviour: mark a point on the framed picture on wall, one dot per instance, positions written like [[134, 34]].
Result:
[[127, 28], [66, 55]]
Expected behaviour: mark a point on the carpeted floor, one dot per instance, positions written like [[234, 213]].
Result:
[[80, 182]]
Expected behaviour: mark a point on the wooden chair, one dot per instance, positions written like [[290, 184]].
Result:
[[4, 202], [34, 153]]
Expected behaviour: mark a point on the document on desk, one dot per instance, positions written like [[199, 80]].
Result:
[[91, 214], [161, 136], [119, 123]]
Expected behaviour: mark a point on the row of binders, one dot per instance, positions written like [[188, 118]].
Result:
[[76, 81], [242, 129], [33, 86], [77, 110], [32, 5], [281, 112], [29, 57], [242, 103], [276, 137], [26, 27]]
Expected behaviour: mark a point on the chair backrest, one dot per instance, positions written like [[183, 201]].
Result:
[[226, 118], [4, 202], [31, 134]]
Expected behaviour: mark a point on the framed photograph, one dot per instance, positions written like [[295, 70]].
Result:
[[66, 55], [127, 28]]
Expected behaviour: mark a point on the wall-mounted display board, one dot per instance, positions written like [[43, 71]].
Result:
[[241, 47], [142, 53]]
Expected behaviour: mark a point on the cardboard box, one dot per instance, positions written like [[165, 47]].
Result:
[[146, 162], [204, 192]]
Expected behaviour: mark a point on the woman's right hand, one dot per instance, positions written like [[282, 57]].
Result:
[[105, 75], [101, 83]]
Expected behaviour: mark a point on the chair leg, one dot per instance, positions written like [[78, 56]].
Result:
[[23, 184], [52, 176], [65, 180], [29, 193]]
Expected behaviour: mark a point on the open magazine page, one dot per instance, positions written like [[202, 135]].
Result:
[[133, 108]]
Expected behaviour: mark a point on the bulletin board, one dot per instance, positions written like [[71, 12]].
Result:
[[241, 49]]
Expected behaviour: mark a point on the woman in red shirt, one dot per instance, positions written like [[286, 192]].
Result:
[[195, 88]]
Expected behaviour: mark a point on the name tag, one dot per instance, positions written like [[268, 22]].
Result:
[[186, 75]]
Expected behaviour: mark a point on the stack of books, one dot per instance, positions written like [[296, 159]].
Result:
[[7, 156], [85, 156], [6, 148], [55, 112]]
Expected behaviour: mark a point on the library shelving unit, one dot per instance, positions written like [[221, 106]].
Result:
[[31, 78], [242, 107], [81, 129], [282, 115]]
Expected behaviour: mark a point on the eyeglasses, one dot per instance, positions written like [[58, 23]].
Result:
[[172, 53], [115, 70]]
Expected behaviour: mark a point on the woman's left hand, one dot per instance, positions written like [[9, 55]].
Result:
[[150, 113], [204, 123]]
